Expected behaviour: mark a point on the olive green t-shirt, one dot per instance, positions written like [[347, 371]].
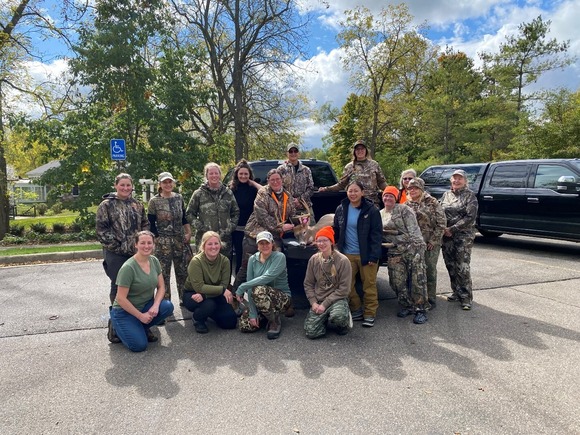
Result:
[[141, 286]]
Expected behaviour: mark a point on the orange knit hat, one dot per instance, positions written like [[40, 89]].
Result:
[[327, 232], [392, 190]]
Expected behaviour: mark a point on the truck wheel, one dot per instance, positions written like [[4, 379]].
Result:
[[489, 234]]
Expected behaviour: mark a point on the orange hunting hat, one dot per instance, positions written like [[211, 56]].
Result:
[[327, 232], [392, 190]]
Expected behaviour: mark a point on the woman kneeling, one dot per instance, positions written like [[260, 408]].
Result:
[[137, 307], [327, 286]]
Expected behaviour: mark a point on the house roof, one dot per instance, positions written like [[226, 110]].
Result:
[[38, 172]]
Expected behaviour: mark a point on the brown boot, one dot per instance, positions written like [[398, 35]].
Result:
[[274, 326], [289, 309]]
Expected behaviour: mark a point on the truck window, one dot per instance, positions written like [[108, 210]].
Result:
[[547, 176], [430, 176], [509, 176], [322, 175]]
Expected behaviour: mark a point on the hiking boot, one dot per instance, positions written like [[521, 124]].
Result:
[[404, 312], [274, 327], [466, 306], [151, 338], [433, 304], [368, 322], [111, 334], [200, 327], [289, 309], [453, 298], [357, 315], [420, 318]]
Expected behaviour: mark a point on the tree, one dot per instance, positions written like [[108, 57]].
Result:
[[250, 47], [19, 21], [373, 48], [524, 57]]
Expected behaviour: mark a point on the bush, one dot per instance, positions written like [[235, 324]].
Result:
[[58, 228], [38, 227], [75, 227], [41, 208], [13, 240], [86, 221], [57, 208], [16, 230]]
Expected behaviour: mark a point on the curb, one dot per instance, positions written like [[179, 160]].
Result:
[[50, 257]]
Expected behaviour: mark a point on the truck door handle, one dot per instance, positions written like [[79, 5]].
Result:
[[533, 200], [488, 197]]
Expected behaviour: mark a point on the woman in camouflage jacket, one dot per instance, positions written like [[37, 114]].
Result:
[[213, 207]]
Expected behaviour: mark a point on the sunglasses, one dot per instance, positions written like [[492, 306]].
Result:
[[407, 178], [293, 152]]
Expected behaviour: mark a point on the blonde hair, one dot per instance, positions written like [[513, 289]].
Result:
[[210, 165], [206, 236]]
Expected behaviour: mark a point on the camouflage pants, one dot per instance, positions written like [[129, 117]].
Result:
[[431, 259], [172, 249], [408, 280], [457, 256], [336, 315], [268, 301]]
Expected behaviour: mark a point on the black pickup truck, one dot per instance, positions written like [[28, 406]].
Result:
[[538, 198]]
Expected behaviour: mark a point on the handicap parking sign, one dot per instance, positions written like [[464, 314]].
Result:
[[118, 150]]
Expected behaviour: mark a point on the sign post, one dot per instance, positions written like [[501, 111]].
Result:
[[118, 150]]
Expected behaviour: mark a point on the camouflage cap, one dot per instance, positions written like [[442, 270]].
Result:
[[417, 182], [460, 172], [264, 235]]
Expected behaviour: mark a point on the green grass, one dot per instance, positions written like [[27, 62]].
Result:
[[63, 218], [23, 250]]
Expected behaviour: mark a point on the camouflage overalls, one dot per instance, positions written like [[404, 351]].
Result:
[[214, 210], [431, 220], [461, 211], [327, 282], [369, 173], [117, 222], [298, 182], [167, 217], [406, 261]]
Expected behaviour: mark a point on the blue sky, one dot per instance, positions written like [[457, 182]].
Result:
[[471, 26]]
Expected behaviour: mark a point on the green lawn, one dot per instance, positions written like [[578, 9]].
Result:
[[23, 250], [63, 218]]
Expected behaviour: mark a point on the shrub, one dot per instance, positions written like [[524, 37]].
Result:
[[42, 208], [86, 221], [75, 227], [57, 208], [38, 227], [13, 240], [16, 230], [58, 228]]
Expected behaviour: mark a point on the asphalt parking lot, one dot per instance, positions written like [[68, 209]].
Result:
[[508, 366]]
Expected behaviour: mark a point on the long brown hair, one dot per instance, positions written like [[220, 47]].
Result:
[[241, 164]]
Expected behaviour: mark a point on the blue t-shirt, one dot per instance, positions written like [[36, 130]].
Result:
[[351, 245]]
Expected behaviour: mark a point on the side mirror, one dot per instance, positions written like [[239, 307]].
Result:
[[568, 184]]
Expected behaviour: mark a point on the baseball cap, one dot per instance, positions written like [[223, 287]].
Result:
[[417, 182], [292, 145], [165, 176], [460, 172], [264, 235]]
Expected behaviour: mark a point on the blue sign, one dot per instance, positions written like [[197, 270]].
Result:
[[118, 150]]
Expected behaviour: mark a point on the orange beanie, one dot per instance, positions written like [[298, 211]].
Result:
[[327, 232], [392, 190]]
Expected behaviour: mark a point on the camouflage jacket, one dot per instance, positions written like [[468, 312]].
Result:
[[401, 229], [117, 222], [167, 215], [269, 215], [430, 217], [213, 210], [369, 173], [460, 210], [327, 281], [298, 182]]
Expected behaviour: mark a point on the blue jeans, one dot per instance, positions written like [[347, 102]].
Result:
[[131, 331]]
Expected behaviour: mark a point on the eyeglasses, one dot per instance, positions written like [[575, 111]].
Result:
[[407, 178], [294, 151]]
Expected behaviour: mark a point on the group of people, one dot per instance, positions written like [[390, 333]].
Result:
[[251, 221]]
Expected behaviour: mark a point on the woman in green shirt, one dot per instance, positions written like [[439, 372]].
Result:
[[206, 292], [137, 306]]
